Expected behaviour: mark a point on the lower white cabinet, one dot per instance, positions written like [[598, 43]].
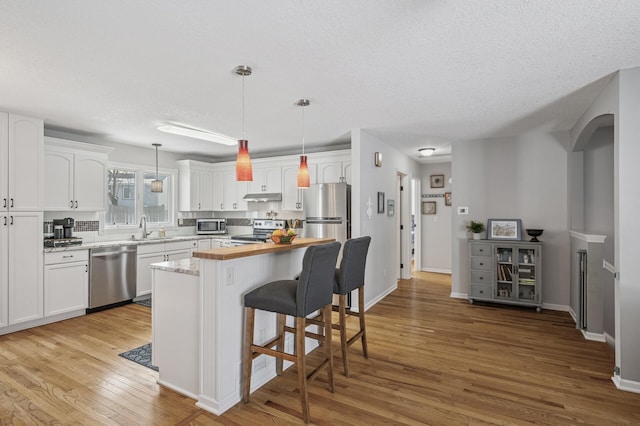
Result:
[[155, 253], [21, 260], [66, 281]]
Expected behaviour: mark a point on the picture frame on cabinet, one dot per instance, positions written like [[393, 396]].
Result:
[[380, 202], [428, 207], [504, 229], [437, 181], [447, 198]]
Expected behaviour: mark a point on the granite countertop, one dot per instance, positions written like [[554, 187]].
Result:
[[184, 266], [246, 250], [120, 243]]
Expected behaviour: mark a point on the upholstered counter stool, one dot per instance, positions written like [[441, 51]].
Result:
[[313, 291], [349, 277]]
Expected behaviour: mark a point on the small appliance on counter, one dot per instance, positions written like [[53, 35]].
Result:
[[211, 226], [59, 233]]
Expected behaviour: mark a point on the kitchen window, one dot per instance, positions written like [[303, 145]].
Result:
[[129, 196]]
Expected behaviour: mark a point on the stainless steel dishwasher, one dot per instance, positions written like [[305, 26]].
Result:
[[112, 276]]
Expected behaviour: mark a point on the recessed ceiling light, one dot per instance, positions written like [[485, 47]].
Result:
[[425, 152], [199, 134]]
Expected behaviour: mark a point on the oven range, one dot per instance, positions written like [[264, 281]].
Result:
[[262, 229]]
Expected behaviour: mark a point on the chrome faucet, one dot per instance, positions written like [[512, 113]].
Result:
[[143, 225]]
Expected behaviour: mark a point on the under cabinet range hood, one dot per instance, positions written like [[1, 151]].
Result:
[[263, 197]]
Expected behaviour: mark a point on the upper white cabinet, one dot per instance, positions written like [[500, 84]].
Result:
[[266, 179], [218, 191], [75, 175], [233, 191], [334, 171], [21, 163], [291, 194], [196, 186]]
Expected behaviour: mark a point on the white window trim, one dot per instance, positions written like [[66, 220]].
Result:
[[173, 200]]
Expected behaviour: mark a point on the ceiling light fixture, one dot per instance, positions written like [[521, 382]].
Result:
[[303, 171], [426, 152], [156, 185], [198, 134], [244, 172]]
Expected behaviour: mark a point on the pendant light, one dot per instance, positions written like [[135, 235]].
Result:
[[303, 170], [156, 185], [244, 172]]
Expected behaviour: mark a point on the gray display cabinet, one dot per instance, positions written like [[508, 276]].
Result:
[[506, 272]]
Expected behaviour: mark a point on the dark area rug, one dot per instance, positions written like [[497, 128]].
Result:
[[144, 302], [141, 355]]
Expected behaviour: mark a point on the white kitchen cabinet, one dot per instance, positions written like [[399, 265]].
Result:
[[334, 171], [218, 191], [21, 260], [21, 163], [266, 179], [233, 191], [196, 186], [66, 281], [75, 176], [291, 194], [155, 253]]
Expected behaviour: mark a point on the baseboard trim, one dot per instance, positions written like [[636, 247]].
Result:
[[595, 337], [459, 295], [380, 297], [436, 270], [611, 341], [554, 307], [626, 385]]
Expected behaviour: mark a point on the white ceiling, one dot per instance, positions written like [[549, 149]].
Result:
[[415, 73]]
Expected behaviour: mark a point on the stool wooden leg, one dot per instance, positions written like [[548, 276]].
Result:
[[342, 318], [327, 344], [301, 325], [365, 351], [280, 322], [247, 353]]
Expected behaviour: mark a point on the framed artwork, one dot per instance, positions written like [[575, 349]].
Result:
[[504, 229], [380, 202], [428, 207], [447, 198], [437, 181]]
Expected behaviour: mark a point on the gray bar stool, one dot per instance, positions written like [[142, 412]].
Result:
[[349, 277], [313, 291]]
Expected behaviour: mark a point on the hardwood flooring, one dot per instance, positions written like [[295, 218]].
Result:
[[432, 360]]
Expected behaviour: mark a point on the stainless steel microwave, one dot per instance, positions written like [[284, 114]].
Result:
[[211, 226]]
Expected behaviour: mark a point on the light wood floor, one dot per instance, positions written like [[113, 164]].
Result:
[[433, 360]]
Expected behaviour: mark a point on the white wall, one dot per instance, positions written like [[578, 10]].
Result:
[[436, 229], [368, 180], [523, 177]]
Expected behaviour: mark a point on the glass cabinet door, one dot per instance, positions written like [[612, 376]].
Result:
[[504, 272], [527, 274]]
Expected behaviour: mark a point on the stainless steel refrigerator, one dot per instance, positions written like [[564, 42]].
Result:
[[327, 210]]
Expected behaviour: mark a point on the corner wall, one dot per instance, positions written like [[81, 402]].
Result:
[[523, 177], [368, 180], [436, 228]]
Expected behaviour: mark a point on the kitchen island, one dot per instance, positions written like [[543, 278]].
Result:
[[197, 318]]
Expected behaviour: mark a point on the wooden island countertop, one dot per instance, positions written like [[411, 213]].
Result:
[[246, 250]]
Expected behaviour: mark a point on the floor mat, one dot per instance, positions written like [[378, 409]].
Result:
[[141, 355], [144, 302]]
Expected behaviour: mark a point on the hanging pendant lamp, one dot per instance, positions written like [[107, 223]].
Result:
[[156, 185], [244, 172], [303, 170]]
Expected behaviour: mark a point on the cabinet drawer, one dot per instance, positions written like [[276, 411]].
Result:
[[481, 263], [480, 277], [150, 248], [66, 256], [179, 245], [481, 291], [480, 250]]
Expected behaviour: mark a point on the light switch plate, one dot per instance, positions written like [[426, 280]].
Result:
[[463, 210]]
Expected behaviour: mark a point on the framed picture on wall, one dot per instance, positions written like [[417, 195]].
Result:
[[437, 181], [428, 207], [504, 229], [447, 198], [380, 202]]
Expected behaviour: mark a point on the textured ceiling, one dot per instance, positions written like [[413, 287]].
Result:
[[415, 73]]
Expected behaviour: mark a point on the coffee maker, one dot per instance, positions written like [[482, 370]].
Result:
[[63, 228]]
